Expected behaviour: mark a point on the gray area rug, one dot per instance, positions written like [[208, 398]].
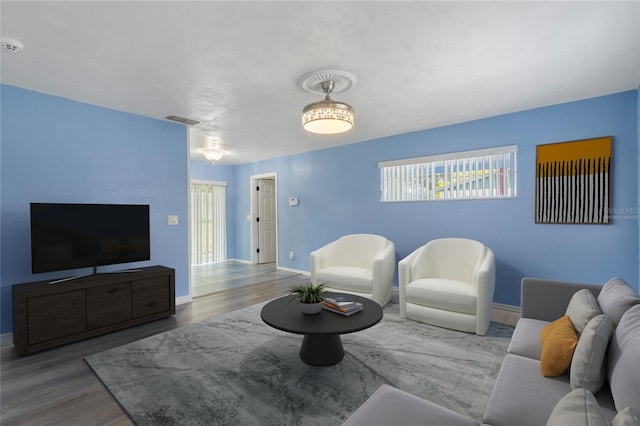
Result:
[[235, 370]]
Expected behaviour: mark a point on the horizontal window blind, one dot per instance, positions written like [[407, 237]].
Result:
[[469, 175]]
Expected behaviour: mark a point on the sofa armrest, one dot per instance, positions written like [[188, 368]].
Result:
[[392, 406], [547, 300]]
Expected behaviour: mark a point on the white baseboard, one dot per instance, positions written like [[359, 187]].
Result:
[[180, 300], [505, 307], [281, 268], [295, 271]]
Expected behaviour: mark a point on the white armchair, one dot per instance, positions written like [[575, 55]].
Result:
[[449, 282], [361, 264]]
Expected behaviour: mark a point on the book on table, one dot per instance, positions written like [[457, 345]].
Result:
[[341, 305]]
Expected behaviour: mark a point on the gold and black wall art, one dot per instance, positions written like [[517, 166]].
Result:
[[573, 182]]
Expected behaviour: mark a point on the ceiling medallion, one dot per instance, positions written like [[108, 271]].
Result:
[[327, 117]]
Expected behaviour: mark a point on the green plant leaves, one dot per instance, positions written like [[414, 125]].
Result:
[[308, 293]]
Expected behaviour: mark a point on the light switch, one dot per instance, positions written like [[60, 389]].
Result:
[[172, 219]]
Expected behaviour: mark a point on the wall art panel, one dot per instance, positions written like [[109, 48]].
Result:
[[573, 181]]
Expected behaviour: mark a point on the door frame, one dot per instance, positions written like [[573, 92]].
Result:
[[254, 212]]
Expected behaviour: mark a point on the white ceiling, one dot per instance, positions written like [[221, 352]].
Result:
[[234, 65]]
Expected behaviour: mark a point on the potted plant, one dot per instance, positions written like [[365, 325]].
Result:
[[309, 296]]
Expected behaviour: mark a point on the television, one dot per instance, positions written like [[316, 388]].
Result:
[[70, 236]]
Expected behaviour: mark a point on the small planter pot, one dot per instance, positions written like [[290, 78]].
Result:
[[311, 308]]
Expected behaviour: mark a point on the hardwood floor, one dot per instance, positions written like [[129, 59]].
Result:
[[207, 279], [56, 387]]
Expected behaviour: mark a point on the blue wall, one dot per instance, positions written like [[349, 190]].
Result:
[[57, 150], [338, 189], [204, 170]]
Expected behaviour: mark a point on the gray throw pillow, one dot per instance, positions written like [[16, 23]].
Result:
[[587, 366], [578, 407], [626, 417], [622, 361], [582, 307], [615, 298]]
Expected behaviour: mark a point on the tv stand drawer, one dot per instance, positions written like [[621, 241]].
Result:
[[49, 315], [151, 296], [56, 316], [108, 304]]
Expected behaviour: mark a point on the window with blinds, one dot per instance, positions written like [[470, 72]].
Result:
[[208, 222], [469, 175]]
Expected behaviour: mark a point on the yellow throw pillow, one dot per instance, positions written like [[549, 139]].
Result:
[[558, 340]]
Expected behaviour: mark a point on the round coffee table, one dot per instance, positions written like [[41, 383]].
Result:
[[321, 344]]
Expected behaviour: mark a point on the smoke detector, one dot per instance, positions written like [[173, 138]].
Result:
[[12, 45]]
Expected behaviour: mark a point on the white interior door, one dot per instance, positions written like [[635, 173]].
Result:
[[266, 220]]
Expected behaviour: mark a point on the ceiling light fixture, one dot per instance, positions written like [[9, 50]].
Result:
[[327, 117], [212, 154]]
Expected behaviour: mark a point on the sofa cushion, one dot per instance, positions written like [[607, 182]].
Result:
[[449, 295], [626, 417], [578, 407], [587, 366], [346, 278], [526, 338], [558, 340], [582, 307], [622, 361], [391, 406], [521, 396], [615, 298]]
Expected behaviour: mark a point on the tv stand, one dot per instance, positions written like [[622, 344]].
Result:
[[46, 316]]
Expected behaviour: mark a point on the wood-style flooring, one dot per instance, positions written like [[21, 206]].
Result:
[[56, 387], [207, 279]]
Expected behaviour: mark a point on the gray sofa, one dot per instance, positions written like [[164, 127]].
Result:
[[521, 395]]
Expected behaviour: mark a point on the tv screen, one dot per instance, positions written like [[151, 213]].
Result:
[[70, 236]]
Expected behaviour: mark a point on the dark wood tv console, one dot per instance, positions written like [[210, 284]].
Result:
[[48, 315]]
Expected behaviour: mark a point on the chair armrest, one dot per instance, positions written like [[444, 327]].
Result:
[[547, 300], [485, 284], [318, 259], [404, 267], [383, 268], [404, 278]]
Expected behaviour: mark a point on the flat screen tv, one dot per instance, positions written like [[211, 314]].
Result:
[[71, 236]]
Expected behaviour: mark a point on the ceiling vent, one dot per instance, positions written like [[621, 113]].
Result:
[[183, 120], [11, 45]]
